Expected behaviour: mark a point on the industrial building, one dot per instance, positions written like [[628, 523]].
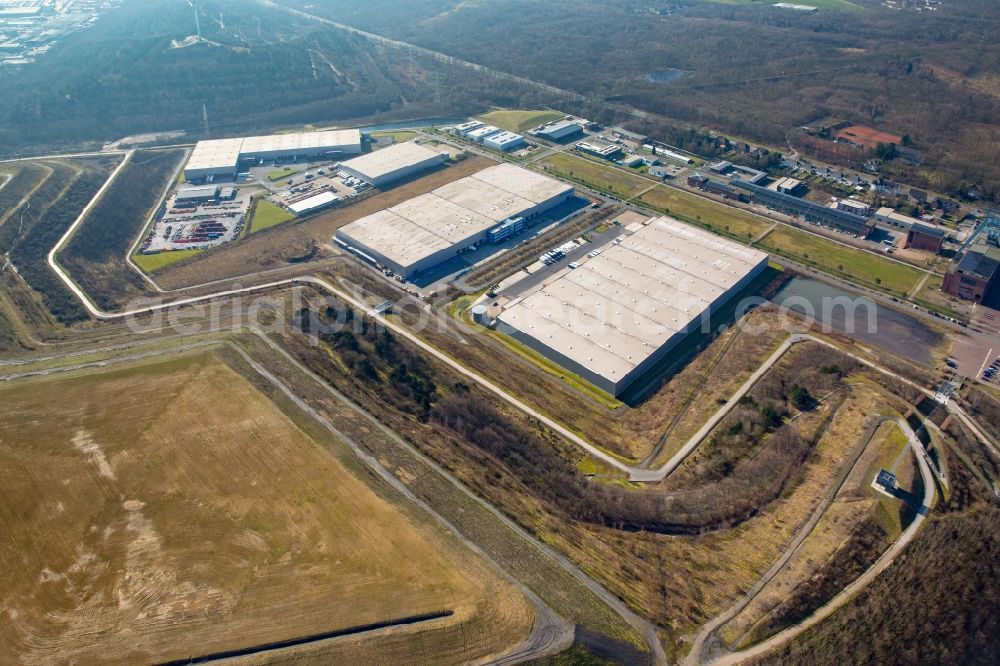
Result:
[[396, 162], [422, 232], [626, 135], [619, 313], [888, 215], [481, 134], [557, 131], [196, 195], [925, 237], [504, 141], [854, 206], [598, 148], [791, 186], [314, 203], [975, 275], [464, 128], [837, 219], [221, 158]]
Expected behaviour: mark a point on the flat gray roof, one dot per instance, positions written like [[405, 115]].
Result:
[[215, 154], [620, 307], [520, 182], [452, 214], [381, 163], [484, 199], [226, 153]]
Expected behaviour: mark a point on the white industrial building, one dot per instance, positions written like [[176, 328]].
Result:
[[314, 203], [221, 158], [619, 313], [396, 162], [424, 231], [481, 134], [889, 215], [558, 130], [464, 128], [504, 141], [855, 206]]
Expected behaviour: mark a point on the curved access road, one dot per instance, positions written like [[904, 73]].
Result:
[[697, 647], [881, 564]]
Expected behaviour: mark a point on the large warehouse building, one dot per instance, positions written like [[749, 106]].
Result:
[[615, 316], [422, 232], [396, 162], [221, 158]]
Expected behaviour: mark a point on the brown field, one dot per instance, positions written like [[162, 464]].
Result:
[[867, 136], [856, 503], [159, 512], [272, 248]]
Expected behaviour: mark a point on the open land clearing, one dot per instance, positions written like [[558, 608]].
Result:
[[267, 215], [168, 510], [514, 120], [274, 247]]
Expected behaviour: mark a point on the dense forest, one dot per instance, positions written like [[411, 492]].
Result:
[[258, 69], [750, 69], [939, 604]]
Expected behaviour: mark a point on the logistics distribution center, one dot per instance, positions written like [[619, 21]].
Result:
[[424, 231], [618, 313], [221, 158], [393, 163]]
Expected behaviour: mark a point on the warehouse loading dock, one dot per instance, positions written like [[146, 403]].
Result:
[[620, 312], [221, 158], [422, 232]]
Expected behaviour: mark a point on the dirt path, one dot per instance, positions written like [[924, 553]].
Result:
[[848, 593], [695, 656]]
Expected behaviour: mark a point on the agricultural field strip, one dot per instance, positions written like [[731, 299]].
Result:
[[695, 655], [550, 634], [845, 595], [647, 630]]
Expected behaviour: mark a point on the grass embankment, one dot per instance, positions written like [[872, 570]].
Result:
[[826, 255], [138, 517], [154, 262], [281, 174], [398, 136], [595, 176], [843, 261], [519, 121], [267, 215], [94, 257]]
